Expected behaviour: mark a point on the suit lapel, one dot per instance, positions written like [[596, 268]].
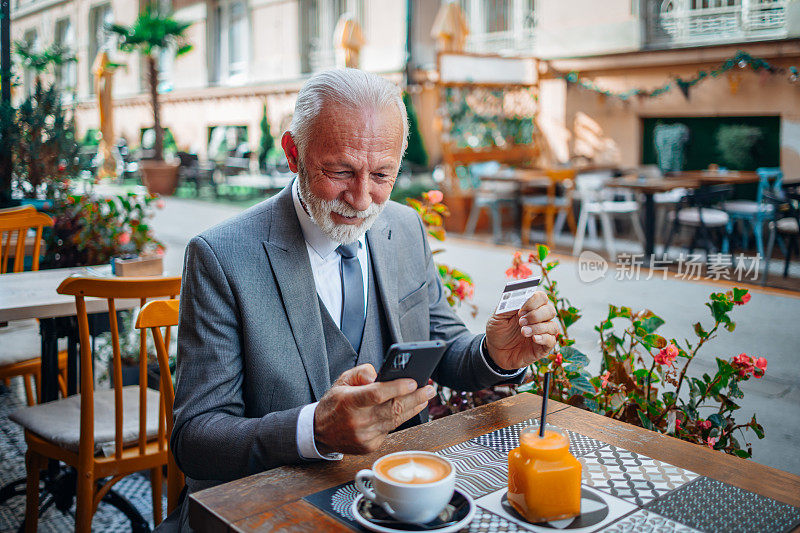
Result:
[[382, 254], [288, 257]]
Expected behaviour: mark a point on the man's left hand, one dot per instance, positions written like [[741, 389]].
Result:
[[515, 340]]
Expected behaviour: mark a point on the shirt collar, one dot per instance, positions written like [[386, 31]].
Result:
[[323, 245]]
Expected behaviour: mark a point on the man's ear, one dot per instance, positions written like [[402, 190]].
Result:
[[290, 149]]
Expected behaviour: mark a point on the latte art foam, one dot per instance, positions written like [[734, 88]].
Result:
[[411, 472], [413, 468]]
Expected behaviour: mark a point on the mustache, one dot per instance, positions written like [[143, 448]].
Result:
[[344, 209]]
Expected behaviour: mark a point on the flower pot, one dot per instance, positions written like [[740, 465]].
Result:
[[160, 177]]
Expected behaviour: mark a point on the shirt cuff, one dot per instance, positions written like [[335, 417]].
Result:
[[306, 447], [500, 372]]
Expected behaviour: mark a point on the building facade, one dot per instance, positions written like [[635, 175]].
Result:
[[251, 53]]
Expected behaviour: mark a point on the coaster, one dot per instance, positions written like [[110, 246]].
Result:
[[646, 522], [336, 502], [597, 510], [711, 505], [479, 470], [630, 476], [486, 522]]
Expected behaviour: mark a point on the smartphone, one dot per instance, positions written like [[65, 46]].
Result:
[[415, 360]]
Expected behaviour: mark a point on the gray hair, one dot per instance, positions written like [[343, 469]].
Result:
[[347, 87]]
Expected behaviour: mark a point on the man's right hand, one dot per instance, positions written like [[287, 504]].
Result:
[[357, 413]]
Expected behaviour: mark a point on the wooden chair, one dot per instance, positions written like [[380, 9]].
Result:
[[106, 433], [21, 340], [156, 315], [549, 205]]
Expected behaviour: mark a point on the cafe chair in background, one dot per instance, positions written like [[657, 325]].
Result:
[[598, 203], [755, 213], [20, 344], [785, 225], [665, 202], [554, 209], [104, 434], [156, 315], [701, 212], [492, 196]]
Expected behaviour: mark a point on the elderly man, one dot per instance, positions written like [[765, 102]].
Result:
[[288, 308]]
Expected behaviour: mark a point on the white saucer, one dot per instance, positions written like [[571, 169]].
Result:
[[387, 528]]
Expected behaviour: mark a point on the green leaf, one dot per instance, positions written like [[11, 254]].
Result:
[[651, 324], [741, 453], [644, 420], [543, 251], [738, 294], [717, 420], [571, 354], [527, 387], [654, 340], [582, 384]]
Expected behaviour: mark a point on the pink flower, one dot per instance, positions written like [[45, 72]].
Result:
[[745, 364], [605, 377], [435, 196], [558, 359], [744, 300], [677, 424], [520, 271], [124, 238], [761, 365], [666, 355], [160, 204], [704, 424], [710, 442], [464, 289]]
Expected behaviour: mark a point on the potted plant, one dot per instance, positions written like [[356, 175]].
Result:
[[153, 33]]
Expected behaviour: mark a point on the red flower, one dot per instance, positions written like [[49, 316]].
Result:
[[666, 355], [464, 289], [744, 300], [704, 424], [124, 238], [160, 204], [677, 424], [745, 364], [605, 377], [761, 366], [711, 441], [435, 196], [558, 359]]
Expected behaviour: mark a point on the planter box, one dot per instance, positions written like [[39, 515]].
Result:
[[148, 265]]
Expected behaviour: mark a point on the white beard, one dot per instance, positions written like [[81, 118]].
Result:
[[320, 211]]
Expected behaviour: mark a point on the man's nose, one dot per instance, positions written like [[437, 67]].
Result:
[[357, 194]]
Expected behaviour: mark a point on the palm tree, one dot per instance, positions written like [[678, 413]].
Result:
[[152, 33]]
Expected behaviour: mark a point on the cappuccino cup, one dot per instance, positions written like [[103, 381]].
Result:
[[410, 486]]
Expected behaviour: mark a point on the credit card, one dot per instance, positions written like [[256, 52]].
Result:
[[516, 293]]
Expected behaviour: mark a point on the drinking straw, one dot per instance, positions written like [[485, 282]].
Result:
[[545, 394]]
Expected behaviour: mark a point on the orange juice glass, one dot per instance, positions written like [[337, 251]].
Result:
[[544, 479]]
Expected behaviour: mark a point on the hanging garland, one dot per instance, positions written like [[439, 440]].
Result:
[[741, 60]]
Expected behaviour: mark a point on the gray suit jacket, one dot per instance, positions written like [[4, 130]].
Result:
[[251, 351]]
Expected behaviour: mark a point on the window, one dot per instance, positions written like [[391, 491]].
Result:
[[318, 22], [499, 26], [100, 38], [31, 37], [230, 41], [66, 74]]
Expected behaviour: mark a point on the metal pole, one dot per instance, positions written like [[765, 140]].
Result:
[[5, 101]]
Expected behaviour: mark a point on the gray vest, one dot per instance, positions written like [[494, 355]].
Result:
[[374, 342]]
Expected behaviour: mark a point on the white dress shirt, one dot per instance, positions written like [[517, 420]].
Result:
[[325, 263]]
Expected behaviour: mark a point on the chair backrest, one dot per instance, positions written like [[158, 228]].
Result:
[[156, 315], [18, 221], [565, 177], [769, 179], [113, 289], [710, 196]]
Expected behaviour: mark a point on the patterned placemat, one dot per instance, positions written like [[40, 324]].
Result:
[[623, 491]]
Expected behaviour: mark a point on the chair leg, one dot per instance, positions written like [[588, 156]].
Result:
[[472, 220], [608, 235], [560, 219], [525, 226], [768, 256], [583, 221], [26, 380], [33, 464], [548, 228], [571, 220], [637, 227], [758, 234], [156, 481], [497, 232], [84, 508]]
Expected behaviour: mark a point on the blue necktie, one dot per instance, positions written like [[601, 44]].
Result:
[[352, 322]]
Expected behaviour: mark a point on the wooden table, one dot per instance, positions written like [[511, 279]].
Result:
[[27, 295], [272, 500]]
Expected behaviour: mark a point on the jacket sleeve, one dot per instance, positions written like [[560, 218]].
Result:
[[463, 366], [212, 437]]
